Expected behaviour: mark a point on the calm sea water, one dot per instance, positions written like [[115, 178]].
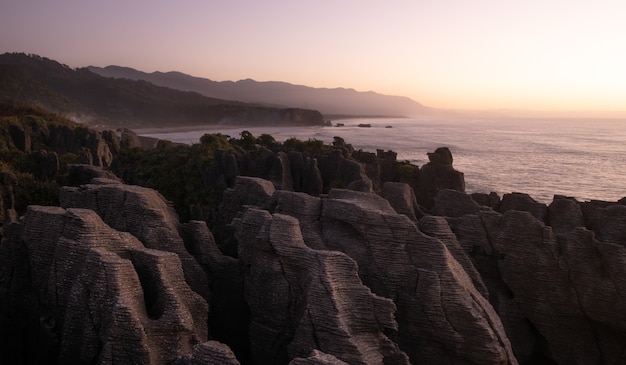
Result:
[[542, 157]]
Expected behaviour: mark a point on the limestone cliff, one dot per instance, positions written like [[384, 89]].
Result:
[[93, 294]]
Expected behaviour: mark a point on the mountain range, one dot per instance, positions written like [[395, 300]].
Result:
[[331, 102], [87, 97], [116, 96]]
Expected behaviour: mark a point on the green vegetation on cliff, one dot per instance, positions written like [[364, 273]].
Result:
[[24, 130]]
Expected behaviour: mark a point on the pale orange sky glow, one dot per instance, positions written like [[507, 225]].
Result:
[[452, 54]]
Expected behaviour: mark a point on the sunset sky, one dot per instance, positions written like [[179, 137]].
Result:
[[453, 54]]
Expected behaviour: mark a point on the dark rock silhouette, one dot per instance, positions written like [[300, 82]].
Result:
[[436, 175], [8, 181], [79, 174], [565, 214], [491, 200], [338, 171], [48, 164], [521, 201]]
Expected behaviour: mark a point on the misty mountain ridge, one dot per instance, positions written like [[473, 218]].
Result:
[[335, 101], [121, 102]]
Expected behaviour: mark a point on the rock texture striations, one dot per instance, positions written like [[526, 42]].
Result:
[[98, 295], [342, 277]]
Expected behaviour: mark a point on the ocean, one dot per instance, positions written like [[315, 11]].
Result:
[[581, 158]]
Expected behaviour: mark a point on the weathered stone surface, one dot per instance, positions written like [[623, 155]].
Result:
[[145, 214], [402, 199], [476, 234], [47, 163], [454, 203], [20, 138], [436, 175], [338, 171], [97, 294], [222, 173], [247, 191], [80, 174], [442, 318], [280, 172], [491, 200], [303, 299], [8, 182], [307, 210], [305, 173], [564, 214], [229, 316], [571, 291], [560, 297], [317, 358], [209, 353], [64, 138], [438, 227], [523, 202], [609, 224]]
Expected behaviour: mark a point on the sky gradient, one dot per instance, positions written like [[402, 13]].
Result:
[[451, 54]]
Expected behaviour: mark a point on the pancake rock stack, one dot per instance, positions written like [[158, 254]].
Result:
[[344, 277]]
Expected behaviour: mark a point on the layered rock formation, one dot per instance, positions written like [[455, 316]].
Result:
[[343, 277], [303, 299], [395, 260], [94, 294]]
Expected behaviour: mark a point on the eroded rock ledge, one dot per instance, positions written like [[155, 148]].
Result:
[[347, 277]]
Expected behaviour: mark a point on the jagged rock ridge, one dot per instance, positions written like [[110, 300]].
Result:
[[111, 276]]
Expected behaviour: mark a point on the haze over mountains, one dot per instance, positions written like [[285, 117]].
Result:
[[331, 102], [88, 97]]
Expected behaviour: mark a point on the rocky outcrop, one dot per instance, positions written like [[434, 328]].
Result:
[[340, 172], [317, 358], [454, 203], [558, 290], [47, 163], [211, 353], [305, 174], [491, 200], [436, 175], [345, 276], [76, 291], [8, 182], [302, 299], [398, 261], [247, 191], [145, 214], [80, 174], [63, 138], [229, 315], [523, 202], [565, 214], [402, 199]]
